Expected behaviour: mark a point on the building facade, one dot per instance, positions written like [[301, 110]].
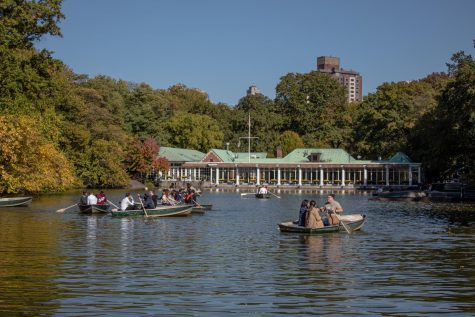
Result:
[[302, 167], [350, 79]]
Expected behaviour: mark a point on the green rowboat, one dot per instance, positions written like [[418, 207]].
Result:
[[159, 211], [93, 209]]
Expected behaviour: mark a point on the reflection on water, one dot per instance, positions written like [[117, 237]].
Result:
[[410, 259]]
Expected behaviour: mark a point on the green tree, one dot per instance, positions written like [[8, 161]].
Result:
[[384, 120], [194, 131], [289, 141], [312, 105]]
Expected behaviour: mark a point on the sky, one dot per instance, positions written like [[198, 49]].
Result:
[[224, 46]]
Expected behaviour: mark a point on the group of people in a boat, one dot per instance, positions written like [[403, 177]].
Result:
[[169, 196], [311, 216], [88, 198]]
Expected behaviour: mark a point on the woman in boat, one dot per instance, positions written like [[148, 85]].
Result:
[[127, 203], [303, 212], [313, 219], [148, 201], [167, 199]]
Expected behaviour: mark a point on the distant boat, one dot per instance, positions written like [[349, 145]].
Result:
[[15, 201], [200, 208], [159, 211], [353, 222], [447, 192], [93, 209], [404, 195]]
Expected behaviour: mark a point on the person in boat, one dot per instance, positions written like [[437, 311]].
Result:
[[332, 207], [262, 190], [101, 198], [190, 194], [148, 201], [91, 199], [83, 199], [127, 203], [313, 218], [154, 198], [167, 198], [176, 195], [303, 212]]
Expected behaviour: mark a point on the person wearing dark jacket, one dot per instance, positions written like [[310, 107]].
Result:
[[303, 212]]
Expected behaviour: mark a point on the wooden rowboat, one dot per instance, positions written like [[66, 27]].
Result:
[[93, 209], [263, 196], [15, 201], [159, 211], [354, 222]]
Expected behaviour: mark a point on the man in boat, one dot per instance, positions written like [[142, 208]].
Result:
[[83, 199], [262, 190], [91, 199], [127, 203], [190, 194], [332, 207], [148, 201], [101, 198]]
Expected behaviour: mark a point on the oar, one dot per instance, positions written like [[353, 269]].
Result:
[[344, 226], [64, 209], [110, 202], [198, 205], [145, 211], [274, 194]]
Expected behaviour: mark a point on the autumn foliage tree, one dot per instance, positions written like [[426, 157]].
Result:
[[143, 158]]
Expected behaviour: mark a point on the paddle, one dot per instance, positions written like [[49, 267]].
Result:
[[274, 195], [344, 226], [64, 209], [196, 203], [110, 202], [145, 211]]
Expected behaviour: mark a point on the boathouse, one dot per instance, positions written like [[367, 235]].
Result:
[[301, 167]]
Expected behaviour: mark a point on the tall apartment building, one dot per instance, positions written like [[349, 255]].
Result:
[[253, 91], [350, 79]]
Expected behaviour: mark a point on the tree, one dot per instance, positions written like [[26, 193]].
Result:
[[289, 141], [313, 105], [384, 120], [24, 21], [28, 162], [143, 158], [193, 131]]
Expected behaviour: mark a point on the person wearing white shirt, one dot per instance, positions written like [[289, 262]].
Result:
[[91, 199], [127, 203]]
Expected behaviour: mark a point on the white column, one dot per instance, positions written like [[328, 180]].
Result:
[[387, 175], [342, 177], [410, 175], [365, 177], [278, 176], [258, 177], [321, 176], [217, 175], [237, 176], [194, 174], [419, 175], [300, 176], [178, 173], [199, 173]]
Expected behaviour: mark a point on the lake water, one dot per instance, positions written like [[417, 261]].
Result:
[[410, 259]]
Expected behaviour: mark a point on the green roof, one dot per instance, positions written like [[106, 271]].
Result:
[[180, 155], [229, 156], [400, 157], [326, 155]]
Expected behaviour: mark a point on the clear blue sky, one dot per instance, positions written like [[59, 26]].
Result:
[[222, 47]]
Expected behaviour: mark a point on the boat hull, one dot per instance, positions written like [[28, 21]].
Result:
[[93, 209], [161, 211], [263, 196], [201, 208], [406, 195], [354, 222], [15, 201]]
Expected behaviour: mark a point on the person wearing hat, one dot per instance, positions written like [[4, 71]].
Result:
[[127, 203]]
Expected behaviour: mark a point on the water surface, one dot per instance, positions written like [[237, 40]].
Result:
[[410, 259]]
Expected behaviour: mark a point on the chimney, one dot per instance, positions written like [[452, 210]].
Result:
[[278, 151]]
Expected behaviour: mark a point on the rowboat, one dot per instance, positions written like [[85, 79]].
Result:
[[353, 222], [93, 209], [15, 201], [159, 211], [263, 196], [400, 195]]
